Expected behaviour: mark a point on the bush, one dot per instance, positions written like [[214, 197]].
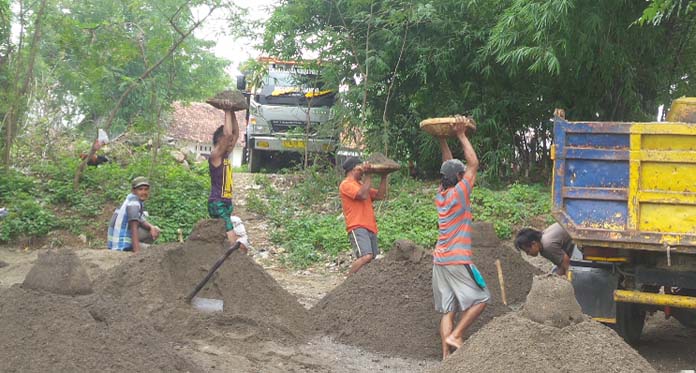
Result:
[[27, 217], [307, 217], [37, 197]]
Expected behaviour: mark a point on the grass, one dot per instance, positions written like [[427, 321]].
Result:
[[307, 220], [304, 212]]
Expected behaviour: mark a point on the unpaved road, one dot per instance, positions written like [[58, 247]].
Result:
[[666, 344]]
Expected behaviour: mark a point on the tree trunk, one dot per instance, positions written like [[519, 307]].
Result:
[[18, 105]]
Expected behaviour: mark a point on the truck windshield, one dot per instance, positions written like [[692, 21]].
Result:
[[291, 88]]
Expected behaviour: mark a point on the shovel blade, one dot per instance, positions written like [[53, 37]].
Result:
[[207, 304]]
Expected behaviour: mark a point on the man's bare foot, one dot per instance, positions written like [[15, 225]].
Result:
[[454, 342], [446, 354]]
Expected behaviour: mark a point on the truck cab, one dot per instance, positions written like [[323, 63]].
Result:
[[289, 111]]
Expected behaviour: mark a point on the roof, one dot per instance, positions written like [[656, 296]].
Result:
[[197, 121]]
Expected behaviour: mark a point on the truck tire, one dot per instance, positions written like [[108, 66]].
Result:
[[630, 319], [685, 317], [255, 160]]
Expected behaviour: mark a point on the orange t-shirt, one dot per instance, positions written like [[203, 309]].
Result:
[[358, 213]]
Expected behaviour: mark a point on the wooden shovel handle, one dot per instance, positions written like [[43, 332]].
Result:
[[501, 280], [211, 272]]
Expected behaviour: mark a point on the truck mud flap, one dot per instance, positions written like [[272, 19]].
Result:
[[594, 290]]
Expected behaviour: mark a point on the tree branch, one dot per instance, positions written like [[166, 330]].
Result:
[[132, 86], [385, 122], [367, 66]]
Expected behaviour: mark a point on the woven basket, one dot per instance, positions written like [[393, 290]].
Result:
[[227, 104], [381, 168], [231, 100], [380, 164], [442, 127]]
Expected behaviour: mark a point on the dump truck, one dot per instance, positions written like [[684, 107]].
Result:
[[289, 112], [626, 194]]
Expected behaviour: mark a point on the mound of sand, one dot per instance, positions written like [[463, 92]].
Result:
[[59, 272], [155, 284], [228, 100], [547, 336], [552, 302], [381, 164], [387, 307], [45, 332]]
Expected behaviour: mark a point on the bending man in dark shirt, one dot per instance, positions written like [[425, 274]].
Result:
[[554, 244]]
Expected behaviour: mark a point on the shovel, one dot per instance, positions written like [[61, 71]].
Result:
[[207, 304]]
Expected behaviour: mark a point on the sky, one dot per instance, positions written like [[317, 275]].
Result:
[[231, 48]]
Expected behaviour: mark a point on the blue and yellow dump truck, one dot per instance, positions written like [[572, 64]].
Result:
[[626, 194]]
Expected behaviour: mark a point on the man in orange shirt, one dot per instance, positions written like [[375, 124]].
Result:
[[357, 195]]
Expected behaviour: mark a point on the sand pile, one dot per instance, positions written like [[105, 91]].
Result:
[[228, 100], [381, 164], [155, 284], [516, 343], [387, 307], [59, 272], [46, 332], [543, 303]]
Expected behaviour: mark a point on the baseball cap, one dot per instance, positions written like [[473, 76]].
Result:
[[140, 181], [452, 167], [350, 163]]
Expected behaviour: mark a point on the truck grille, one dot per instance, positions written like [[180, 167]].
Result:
[[287, 125]]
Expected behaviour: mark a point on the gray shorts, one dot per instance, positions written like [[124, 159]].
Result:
[[145, 236], [364, 242], [453, 282]]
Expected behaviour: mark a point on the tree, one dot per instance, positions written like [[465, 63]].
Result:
[[104, 64], [17, 70], [509, 63]]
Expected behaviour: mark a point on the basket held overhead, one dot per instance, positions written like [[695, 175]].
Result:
[[442, 127], [230, 100]]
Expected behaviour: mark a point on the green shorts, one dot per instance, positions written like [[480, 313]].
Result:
[[221, 210]]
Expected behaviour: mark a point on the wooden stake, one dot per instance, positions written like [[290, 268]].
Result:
[[501, 280]]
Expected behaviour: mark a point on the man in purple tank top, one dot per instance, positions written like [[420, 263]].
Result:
[[220, 166]]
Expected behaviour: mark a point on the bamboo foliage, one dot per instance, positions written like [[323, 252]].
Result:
[[508, 63]]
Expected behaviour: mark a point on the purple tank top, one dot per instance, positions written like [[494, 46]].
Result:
[[220, 181]]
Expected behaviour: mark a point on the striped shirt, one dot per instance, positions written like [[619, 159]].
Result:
[[119, 237], [454, 221]]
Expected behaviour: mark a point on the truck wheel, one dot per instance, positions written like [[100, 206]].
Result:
[[630, 319], [255, 159], [685, 317]]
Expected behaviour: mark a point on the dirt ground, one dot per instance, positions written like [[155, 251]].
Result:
[[234, 343]]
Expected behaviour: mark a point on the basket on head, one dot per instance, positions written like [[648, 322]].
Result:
[[230, 100], [380, 164], [442, 127]]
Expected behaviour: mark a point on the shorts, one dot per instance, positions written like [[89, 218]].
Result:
[[145, 238], [363, 242], [221, 210], [455, 290]]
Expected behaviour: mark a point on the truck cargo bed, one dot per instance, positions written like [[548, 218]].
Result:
[[626, 185]]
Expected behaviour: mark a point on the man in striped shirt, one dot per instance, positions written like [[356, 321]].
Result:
[[129, 229], [457, 284]]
